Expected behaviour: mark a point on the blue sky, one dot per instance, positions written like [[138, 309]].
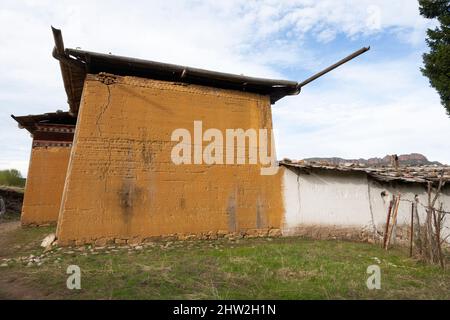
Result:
[[377, 104]]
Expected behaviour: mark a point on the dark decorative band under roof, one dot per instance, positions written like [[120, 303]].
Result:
[[75, 64], [46, 144]]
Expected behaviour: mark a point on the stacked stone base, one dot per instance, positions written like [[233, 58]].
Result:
[[43, 224], [211, 235], [359, 234], [324, 232]]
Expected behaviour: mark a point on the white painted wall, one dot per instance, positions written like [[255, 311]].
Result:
[[338, 199]]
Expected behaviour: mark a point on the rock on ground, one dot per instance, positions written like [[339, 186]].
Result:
[[48, 240]]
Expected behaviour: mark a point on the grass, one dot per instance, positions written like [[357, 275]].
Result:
[[9, 216], [282, 268]]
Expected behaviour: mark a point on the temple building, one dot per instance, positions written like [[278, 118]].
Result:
[[52, 135], [103, 170], [149, 149]]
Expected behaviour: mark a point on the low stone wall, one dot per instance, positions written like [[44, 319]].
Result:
[[13, 198]]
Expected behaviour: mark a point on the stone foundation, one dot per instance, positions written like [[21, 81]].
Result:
[[43, 224], [211, 235], [360, 234]]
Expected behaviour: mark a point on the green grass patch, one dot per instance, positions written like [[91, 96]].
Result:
[[282, 268]]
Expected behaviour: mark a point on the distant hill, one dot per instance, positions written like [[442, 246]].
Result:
[[413, 159]]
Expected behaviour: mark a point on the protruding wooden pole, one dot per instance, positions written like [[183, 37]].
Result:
[[334, 66], [394, 220]]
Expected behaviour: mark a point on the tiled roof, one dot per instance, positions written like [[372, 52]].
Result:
[[417, 174]]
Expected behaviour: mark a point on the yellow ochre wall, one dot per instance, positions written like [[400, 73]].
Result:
[[45, 185], [122, 184]]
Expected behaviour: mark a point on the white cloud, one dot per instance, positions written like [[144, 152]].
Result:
[[367, 110], [328, 18]]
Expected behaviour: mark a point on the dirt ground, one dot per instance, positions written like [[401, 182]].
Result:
[[259, 268], [11, 286], [8, 226]]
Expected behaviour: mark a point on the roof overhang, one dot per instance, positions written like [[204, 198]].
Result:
[[406, 174], [75, 64], [32, 122]]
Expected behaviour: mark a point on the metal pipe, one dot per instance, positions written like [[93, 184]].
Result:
[[334, 66]]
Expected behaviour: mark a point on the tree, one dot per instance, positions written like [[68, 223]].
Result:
[[437, 61], [11, 177]]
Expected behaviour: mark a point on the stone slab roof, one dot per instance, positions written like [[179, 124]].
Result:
[[411, 174]]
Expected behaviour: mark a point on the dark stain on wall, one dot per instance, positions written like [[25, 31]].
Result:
[[231, 212], [13, 199], [146, 152], [128, 193], [146, 147], [261, 219]]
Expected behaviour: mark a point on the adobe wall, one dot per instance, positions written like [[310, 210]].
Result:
[[326, 204], [121, 182], [45, 184], [324, 197]]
